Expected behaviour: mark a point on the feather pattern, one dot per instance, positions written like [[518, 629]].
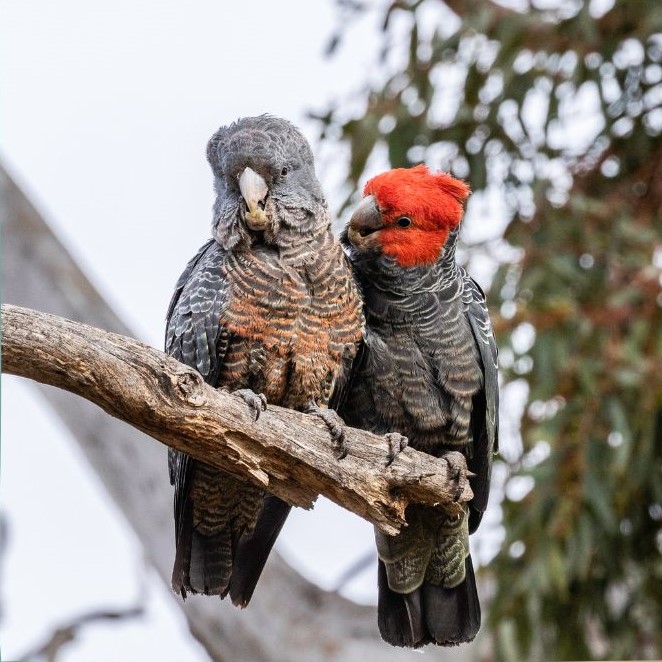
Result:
[[275, 311], [428, 371]]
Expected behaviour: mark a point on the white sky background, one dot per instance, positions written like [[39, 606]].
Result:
[[106, 111]]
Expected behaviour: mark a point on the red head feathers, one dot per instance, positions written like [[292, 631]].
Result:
[[433, 203]]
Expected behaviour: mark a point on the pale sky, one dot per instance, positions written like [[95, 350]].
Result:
[[106, 111]]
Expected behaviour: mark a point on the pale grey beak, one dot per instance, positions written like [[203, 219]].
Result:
[[365, 222], [254, 191]]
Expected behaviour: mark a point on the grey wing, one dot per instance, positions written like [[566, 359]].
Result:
[[193, 327], [182, 280], [485, 410], [356, 403], [194, 333], [174, 458], [344, 383]]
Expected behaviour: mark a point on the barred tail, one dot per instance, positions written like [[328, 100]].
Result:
[[223, 546]]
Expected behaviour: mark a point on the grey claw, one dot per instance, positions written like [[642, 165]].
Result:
[[459, 473], [256, 401], [263, 400], [335, 426], [342, 451], [396, 444]]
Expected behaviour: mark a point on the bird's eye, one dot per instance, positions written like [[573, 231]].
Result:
[[284, 171], [404, 222]]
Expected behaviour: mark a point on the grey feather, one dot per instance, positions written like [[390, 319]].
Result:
[[235, 315], [427, 371]]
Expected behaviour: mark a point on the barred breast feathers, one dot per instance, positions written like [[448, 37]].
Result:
[[303, 310]]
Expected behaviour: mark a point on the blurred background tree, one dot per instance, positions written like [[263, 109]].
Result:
[[552, 110]]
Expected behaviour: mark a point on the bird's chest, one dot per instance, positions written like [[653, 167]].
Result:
[[425, 372], [282, 336]]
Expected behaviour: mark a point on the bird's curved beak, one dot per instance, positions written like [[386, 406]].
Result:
[[254, 191], [364, 223]]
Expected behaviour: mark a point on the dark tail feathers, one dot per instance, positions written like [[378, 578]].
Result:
[[215, 565], [252, 553], [430, 614]]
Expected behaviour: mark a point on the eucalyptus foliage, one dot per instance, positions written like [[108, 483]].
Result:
[[558, 107]]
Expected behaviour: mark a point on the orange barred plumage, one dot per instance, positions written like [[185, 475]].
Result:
[[268, 305]]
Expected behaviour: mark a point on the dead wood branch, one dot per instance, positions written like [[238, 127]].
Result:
[[286, 452]]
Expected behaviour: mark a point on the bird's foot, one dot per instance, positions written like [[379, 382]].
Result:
[[457, 464], [396, 444], [256, 401], [336, 427]]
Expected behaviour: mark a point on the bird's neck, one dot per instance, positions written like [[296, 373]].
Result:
[[301, 249], [387, 275]]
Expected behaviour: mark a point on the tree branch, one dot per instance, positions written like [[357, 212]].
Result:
[[286, 452]]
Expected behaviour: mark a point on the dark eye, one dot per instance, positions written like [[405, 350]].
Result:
[[284, 171], [404, 222]]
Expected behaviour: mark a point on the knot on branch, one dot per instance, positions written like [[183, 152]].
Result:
[[189, 385]]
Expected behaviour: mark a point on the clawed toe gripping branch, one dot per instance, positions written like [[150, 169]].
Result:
[[284, 451], [256, 401], [336, 428]]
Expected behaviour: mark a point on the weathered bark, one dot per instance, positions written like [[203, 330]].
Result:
[[284, 451], [288, 618]]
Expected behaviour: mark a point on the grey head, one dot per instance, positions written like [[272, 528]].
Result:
[[266, 187]]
